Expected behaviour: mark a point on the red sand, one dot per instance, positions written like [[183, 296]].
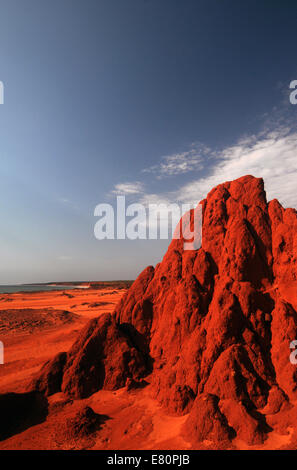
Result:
[[26, 351], [195, 355]]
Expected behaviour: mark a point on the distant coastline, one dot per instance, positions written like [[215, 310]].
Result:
[[10, 289], [66, 285]]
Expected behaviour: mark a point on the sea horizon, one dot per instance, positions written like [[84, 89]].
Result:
[[37, 287]]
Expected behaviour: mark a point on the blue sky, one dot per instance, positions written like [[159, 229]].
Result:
[[157, 99]]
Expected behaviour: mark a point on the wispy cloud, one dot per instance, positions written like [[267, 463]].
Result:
[[64, 200], [127, 189], [68, 204], [271, 155], [180, 163]]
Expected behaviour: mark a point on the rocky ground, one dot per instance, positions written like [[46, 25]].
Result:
[[196, 353]]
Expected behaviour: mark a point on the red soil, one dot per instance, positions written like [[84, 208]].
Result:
[[208, 330], [27, 345]]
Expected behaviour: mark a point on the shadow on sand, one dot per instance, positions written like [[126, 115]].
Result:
[[20, 411]]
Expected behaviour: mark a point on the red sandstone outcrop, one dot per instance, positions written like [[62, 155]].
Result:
[[213, 325], [50, 377]]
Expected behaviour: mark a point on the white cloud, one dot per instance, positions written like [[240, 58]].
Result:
[[180, 163], [127, 189], [271, 155]]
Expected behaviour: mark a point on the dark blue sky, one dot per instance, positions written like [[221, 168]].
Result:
[[96, 91]]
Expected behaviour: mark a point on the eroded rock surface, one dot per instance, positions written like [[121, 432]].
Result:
[[213, 325]]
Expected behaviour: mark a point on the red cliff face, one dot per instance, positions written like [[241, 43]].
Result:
[[211, 326]]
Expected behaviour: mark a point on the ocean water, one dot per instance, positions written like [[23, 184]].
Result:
[[35, 288]]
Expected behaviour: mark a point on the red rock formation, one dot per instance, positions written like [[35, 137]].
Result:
[[104, 356], [213, 325], [50, 377]]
